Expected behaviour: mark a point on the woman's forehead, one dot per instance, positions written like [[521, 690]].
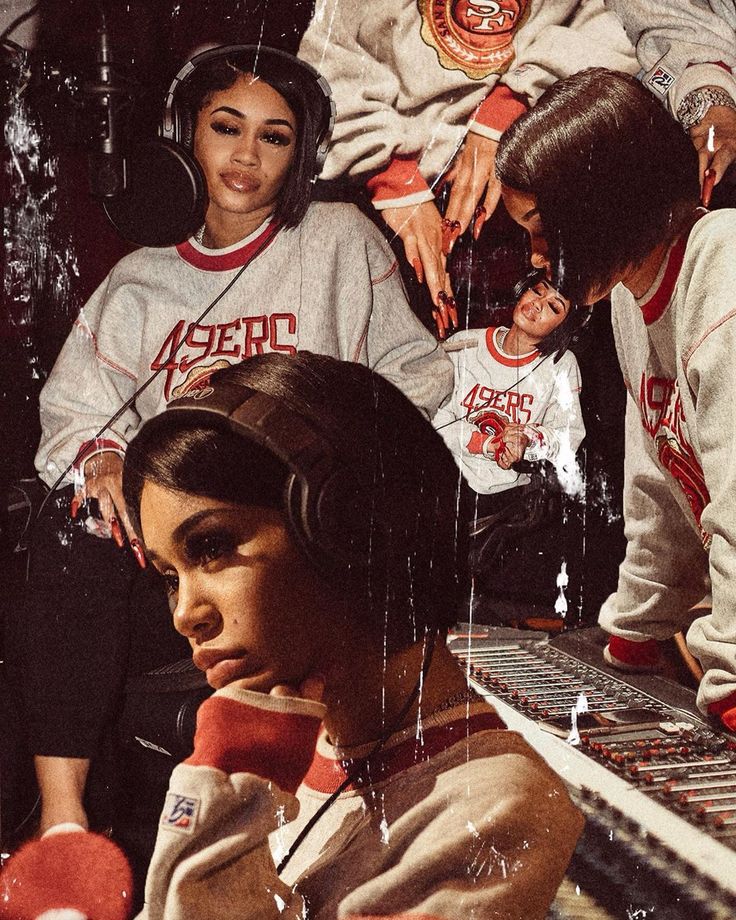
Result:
[[251, 94]]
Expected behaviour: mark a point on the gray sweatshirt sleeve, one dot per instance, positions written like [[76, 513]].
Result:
[[369, 128], [677, 44], [710, 320], [95, 373], [398, 346], [664, 572], [592, 37]]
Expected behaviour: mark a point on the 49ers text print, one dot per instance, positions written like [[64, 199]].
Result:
[[188, 346]]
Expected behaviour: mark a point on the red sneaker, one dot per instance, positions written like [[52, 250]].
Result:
[[725, 710], [627, 655]]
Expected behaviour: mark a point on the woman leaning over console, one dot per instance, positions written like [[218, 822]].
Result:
[[314, 276], [606, 184]]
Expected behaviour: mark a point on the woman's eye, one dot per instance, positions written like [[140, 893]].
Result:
[[223, 127], [172, 583], [276, 138], [206, 548]]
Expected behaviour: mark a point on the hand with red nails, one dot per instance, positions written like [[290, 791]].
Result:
[[511, 445], [103, 480], [723, 121], [421, 230], [475, 189]]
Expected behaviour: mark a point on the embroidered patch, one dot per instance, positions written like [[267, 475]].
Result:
[[180, 813], [475, 36], [660, 80]]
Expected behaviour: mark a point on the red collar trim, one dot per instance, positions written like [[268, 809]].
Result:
[[234, 257], [502, 357], [653, 309], [326, 774]]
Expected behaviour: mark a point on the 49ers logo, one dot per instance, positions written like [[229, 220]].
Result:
[[475, 36]]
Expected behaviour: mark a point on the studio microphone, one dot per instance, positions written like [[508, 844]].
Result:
[[108, 97], [153, 192]]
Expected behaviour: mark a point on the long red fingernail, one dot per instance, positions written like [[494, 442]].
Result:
[[709, 180], [117, 533], [438, 322], [443, 302], [452, 310], [418, 270], [140, 556], [478, 224], [74, 507]]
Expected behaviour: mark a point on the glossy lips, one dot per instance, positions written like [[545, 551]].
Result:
[[240, 182]]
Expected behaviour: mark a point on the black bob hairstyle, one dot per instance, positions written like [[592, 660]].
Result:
[[612, 173], [305, 92], [567, 333], [405, 494]]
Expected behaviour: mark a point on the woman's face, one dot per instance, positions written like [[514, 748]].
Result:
[[251, 606], [523, 209], [245, 141], [540, 310]]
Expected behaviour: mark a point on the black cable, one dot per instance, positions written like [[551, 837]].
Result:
[[463, 418], [19, 20], [358, 766]]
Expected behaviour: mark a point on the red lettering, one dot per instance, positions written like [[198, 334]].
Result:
[[254, 342], [655, 402], [496, 400], [204, 344], [225, 338], [168, 363], [273, 324], [512, 403], [525, 414], [469, 400]]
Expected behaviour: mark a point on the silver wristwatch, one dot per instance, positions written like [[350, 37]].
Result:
[[691, 111]]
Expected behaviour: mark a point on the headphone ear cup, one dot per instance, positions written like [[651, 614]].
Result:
[[331, 523], [185, 127]]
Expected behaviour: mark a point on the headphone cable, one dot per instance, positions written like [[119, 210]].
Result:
[[355, 770]]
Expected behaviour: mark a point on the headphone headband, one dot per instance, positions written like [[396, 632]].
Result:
[[322, 499]]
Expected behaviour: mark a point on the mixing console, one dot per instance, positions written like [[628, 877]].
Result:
[[656, 782]]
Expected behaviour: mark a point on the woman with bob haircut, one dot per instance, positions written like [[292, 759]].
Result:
[[342, 767], [267, 272], [606, 184]]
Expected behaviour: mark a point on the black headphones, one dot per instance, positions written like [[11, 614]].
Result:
[[324, 502], [165, 198], [178, 120]]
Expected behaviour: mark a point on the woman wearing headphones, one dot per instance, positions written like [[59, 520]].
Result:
[[343, 767], [267, 272]]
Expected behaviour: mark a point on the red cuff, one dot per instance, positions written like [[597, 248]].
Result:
[[238, 738], [725, 710], [721, 64], [637, 654], [500, 108], [95, 446], [79, 871], [400, 178]]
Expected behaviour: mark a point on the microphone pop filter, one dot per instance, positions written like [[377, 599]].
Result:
[[165, 196]]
